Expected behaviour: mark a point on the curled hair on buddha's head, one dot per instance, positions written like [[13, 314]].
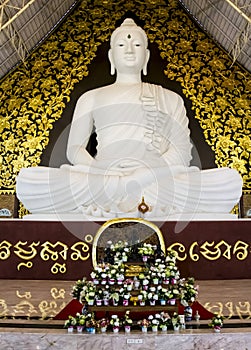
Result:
[[128, 25]]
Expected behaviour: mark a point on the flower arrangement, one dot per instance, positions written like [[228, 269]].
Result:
[[175, 320], [127, 321], [100, 293], [146, 249], [164, 320], [171, 270], [78, 322], [163, 294], [171, 255], [117, 288], [155, 274], [216, 322], [188, 291], [100, 272], [154, 321], [103, 323], [88, 293], [78, 287], [70, 322], [174, 291], [144, 323], [142, 296], [128, 284], [118, 252], [124, 295], [90, 321], [115, 322], [121, 250], [115, 272], [152, 297], [114, 296]]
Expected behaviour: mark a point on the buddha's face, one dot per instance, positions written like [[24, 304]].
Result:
[[128, 53]]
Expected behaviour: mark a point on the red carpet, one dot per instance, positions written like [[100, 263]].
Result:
[[75, 306]]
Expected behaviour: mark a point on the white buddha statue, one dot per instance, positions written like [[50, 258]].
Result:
[[143, 150]]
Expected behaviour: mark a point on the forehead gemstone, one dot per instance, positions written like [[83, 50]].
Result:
[[129, 36]]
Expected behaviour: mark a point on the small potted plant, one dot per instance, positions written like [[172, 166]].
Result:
[[142, 297], [106, 296], [128, 284], [70, 323], [99, 296], [146, 250], [188, 291], [154, 321], [121, 251], [166, 275], [88, 293], [127, 322], [78, 288], [188, 294], [164, 321], [90, 322], [163, 295], [171, 255], [146, 282], [175, 320], [95, 274], [114, 295], [144, 324], [152, 297], [126, 298], [103, 323], [216, 323], [115, 323], [112, 274], [77, 322], [80, 322], [172, 270], [90, 297], [173, 294], [136, 283]]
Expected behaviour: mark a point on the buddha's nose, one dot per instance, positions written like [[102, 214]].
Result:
[[129, 47]]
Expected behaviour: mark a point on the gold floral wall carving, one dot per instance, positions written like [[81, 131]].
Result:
[[34, 96]]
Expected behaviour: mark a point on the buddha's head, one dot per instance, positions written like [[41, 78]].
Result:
[[128, 52]]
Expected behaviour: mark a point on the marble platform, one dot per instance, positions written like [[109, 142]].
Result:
[[173, 217], [41, 339]]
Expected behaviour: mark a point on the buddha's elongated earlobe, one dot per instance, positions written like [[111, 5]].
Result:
[[145, 69], [146, 62], [112, 70]]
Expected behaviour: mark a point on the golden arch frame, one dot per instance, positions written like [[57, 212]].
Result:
[[108, 223]]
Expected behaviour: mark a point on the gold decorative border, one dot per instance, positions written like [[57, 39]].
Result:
[[34, 96]]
